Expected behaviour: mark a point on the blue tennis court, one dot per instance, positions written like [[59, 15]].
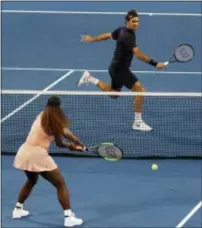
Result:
[[42, 52]]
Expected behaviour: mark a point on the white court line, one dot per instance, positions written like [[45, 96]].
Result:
[[188, 216], [93, 70], [99, 13], [37, 95]]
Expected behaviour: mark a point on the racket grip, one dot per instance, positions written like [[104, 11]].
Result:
[[88, 149], [166, 63]]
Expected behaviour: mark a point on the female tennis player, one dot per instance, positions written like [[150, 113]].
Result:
[[119, 71], [33, 158]]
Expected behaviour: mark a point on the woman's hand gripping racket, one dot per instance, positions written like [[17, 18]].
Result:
[[183, 53], [106, 150]]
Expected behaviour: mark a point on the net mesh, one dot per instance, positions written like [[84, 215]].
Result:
[[176, 120]]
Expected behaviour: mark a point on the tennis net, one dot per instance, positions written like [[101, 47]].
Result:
[[176, 119]]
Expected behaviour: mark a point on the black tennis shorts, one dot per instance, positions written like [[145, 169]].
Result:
[[121, 76]]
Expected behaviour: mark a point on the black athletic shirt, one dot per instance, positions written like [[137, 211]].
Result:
[[125, 42]]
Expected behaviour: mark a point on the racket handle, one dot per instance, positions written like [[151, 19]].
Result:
[[166, 63], [91, 150], [88, 149]]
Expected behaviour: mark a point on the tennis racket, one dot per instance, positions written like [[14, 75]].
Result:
[[106, 150], [183, 53]]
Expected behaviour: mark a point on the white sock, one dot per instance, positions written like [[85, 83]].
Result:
[[68, 213], [93, 80], [19, 205], [138, 116]]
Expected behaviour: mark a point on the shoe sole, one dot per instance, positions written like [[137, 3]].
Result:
[[73, 225], [138, 129], [20, 216]]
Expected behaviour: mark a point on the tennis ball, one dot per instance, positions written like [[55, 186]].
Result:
[[154, 167]]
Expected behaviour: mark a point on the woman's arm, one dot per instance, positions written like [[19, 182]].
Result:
[[60, 143], [69, 135]]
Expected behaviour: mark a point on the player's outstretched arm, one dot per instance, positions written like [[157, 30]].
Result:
[[69, 135], [103, 36], [141, 56], [75, 145], [72, 146]]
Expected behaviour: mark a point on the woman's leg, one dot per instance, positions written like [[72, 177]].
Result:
[[56, 179], [26, 189]]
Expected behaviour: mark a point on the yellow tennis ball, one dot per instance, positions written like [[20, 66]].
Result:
[[154, 167]]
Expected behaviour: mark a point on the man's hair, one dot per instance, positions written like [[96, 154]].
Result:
[[131, 14]]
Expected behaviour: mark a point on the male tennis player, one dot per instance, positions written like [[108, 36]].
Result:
[[119, 68]]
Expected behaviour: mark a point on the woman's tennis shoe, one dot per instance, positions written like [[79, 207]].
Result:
[[141, 126], [85, 79], [71, 221], [19, 213]]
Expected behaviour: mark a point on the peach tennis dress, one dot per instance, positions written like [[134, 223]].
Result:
[[33, 155]]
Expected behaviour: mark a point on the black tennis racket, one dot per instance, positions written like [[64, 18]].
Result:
[[183, 53], [107, 150]]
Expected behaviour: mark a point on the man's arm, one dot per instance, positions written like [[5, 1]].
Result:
[[141, 56], [103, 36]]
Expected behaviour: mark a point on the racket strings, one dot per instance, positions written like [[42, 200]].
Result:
[[184, 53], [110, 152]]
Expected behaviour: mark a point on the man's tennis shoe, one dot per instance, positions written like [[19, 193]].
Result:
[[71, 221], [19, 213], [85, 79], [141, 126]]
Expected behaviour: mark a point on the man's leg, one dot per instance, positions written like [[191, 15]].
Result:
[[139, 124], [138, 100], [132, 82], [87, 78]]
